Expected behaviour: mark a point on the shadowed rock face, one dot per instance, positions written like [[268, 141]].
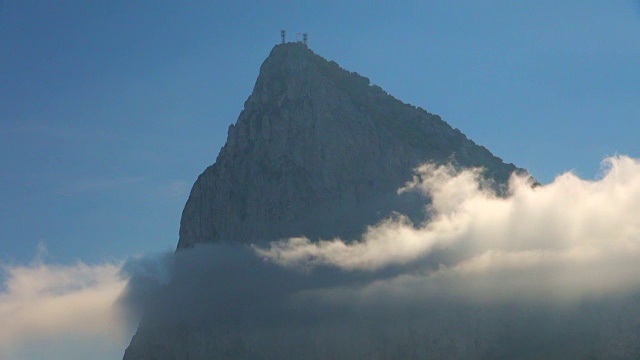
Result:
[[318, 151]]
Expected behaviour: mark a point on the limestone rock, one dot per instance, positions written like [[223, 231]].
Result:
[[318, 151]]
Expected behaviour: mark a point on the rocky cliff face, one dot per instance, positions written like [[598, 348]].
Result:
[[318, 151]]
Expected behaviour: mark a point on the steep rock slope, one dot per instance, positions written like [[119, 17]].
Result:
[[318, 151]]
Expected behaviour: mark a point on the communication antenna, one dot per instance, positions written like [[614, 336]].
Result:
[[305, 36], [283, 33]]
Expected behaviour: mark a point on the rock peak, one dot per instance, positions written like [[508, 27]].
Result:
[[316, 152], [319, 152], [291, 49], [289, 56]]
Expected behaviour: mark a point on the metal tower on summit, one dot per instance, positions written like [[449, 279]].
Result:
[[305, 37]]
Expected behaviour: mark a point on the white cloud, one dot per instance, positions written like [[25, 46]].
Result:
[[55, 311], [565, 240]]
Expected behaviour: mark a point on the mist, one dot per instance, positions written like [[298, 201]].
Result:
[[545, 271], [568, 240], [51, 311]]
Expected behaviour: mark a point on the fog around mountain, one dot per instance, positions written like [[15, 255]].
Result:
[[339, 222], [546, 272]]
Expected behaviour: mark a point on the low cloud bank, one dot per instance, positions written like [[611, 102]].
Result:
[[562, 241], [547, 271], [544, 271], [62, 311]]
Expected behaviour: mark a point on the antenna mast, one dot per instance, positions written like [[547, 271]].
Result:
[[283, 34], [305, 36]]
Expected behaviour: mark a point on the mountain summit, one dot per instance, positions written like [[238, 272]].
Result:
[[320, 152], [317, 152]]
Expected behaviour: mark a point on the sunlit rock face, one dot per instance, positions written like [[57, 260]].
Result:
[[319, 152]]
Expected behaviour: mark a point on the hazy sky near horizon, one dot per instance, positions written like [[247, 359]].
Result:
[[109, 111]]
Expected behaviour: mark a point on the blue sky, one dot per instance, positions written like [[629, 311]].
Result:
[[109, 111]]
